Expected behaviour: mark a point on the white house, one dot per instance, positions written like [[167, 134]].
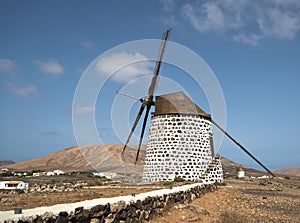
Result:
[[21, 174], [11, 185], [105, 174], [240, 173], [55, 172]]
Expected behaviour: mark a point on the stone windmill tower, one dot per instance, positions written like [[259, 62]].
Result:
[[180, 142]]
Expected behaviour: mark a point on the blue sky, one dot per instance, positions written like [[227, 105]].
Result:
[[253, 47]]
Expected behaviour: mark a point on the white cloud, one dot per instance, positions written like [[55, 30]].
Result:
[[279, 23], [251, 39], [210, 17], [27, 92], [8, 66], [214, 15], [123, 67], [168, 5], [261, 19], [50, 67], [83, 110]]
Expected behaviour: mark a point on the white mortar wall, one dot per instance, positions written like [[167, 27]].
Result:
[[177, 145]]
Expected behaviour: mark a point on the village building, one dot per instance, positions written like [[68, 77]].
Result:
[[240, 173], [107, 175], [55, 172], [11, 185]]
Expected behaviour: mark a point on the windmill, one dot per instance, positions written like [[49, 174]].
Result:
[[180, 141]]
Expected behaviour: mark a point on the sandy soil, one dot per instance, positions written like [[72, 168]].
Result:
[[243, 202]]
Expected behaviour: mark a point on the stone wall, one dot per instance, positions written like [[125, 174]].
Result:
[[214, 172], [133, 212], [178, 145]]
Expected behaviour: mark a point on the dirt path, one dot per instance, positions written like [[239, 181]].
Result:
[[242, 202]]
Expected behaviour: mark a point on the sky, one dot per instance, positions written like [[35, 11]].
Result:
[[252, 47]]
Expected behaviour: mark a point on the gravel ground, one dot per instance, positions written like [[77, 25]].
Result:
[[242, 201]]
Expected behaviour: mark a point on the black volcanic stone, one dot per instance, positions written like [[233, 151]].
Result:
[[139, 204], [83, 216], [78, 210], [63, 214], [61, 219]]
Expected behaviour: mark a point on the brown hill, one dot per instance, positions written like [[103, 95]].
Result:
[[6, 162], [86, 158], [104, 158], [230, 168], [291, 171]]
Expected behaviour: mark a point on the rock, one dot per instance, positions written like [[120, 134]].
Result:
[[142, 215], [118, 206], [132, 212], [110, 216], [139, 204], [63, 214], [95, 220], [47, 215], [61, 219], [82, 216], [97, 211], [78, 210], [193, 197], [146, 214], [123, 215], [4, 200]]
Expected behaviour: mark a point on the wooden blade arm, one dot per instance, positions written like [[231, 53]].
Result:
[[134, 125], [143, 131], [243, 148], [158, 62]]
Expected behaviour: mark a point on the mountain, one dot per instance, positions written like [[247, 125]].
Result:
[[105, 158], [291, 171], [6, 162], [86, 158]]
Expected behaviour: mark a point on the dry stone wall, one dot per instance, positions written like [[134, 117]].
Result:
[[178, 145], [134, 212]]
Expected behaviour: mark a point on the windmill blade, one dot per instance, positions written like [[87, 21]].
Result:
[[243, 148], [149, 100], [134, 125], [158, 62], [143, 131]]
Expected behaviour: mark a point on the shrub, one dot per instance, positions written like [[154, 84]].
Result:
[[168, 183], [179, 179]]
